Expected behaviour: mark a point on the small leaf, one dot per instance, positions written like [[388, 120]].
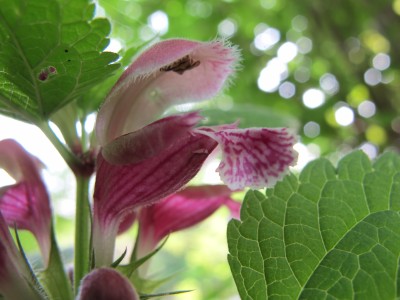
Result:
[[33, 282], [128, 270], [51, 54], [331, 233], [118, 261], [54, 278]]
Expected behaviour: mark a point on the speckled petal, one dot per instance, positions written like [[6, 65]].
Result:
[[253, 157]]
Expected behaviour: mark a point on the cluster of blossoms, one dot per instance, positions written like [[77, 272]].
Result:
[[144, 163]]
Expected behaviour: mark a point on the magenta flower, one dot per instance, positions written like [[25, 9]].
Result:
[[144, 160], [106, 284], [26, 203], [180, 211], [14, 274], [120, 189]]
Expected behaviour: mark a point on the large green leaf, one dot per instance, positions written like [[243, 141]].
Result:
[[329, 234], [50, 55]]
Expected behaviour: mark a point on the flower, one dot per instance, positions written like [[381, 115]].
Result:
[[26, 203], [170, 72], [14, 274], [106, 284], [119, 189], [144, 159], [180, 211]]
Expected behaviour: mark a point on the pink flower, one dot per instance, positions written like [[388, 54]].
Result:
[[14, 275], [144, 160], [106, 284], [180, 211], [26, 203]]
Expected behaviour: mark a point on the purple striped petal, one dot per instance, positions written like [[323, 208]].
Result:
[[106, 284], [127, 222], [150, 140], [120, 189], [253, 157], [179, 211], [168, 73], [25, 204]]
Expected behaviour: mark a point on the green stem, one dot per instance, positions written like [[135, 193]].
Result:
[[82, 230], [72, 161]]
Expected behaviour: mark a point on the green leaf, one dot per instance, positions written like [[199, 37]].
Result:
[[118, 260], [130, 268], [51, 54], [329, 234], [32, 281]]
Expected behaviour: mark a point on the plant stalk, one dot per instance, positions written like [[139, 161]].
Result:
[[72, 161], [82, 231]]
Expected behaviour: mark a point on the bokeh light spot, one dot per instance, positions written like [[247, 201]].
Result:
[[267, 4], [313, 98], [287, 52], [375, 41], [396, 6], [299, 23], [344, 116], [304, 45], [227, 28], [270, 77], [381, 61], [369, 149], [372, 76], [198, 8], [376, 134], [158, 21], [287, 90], [329, 83], [302, 74], [366, 109], [311, 129], [267, 39], [358, 94]]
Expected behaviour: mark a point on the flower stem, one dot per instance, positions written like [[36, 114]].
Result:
[[82, 231], [72, 161]]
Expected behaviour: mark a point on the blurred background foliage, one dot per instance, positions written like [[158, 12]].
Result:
[[329, 70]]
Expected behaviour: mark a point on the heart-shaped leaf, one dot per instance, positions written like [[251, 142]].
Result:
[[329, 234]]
